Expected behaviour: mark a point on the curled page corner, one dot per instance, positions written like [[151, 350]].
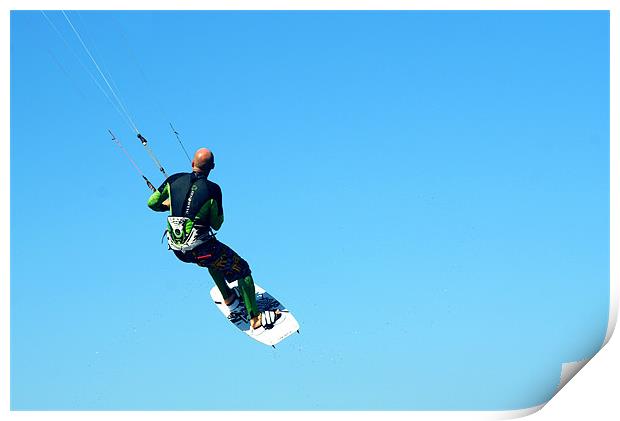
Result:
[[569, 370]]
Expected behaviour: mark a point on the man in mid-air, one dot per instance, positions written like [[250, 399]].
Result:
[[195, 206]]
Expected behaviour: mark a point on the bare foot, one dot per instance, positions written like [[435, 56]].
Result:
[[255, 322]]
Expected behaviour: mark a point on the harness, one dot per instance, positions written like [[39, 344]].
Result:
[[178, 237]]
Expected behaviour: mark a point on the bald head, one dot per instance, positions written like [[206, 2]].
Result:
[[203, 161]]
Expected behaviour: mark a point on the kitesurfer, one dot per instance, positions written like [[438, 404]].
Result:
[[195, 206]]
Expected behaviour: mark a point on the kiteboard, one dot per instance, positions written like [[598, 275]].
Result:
[[285, 326]]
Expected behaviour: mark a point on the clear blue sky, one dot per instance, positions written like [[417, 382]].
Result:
[[428, 192]]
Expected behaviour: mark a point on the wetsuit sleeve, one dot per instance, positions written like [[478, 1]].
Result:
[[217, 210], [158, 197], [212, 212]]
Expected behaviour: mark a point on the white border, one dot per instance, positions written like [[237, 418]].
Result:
[[568, 369], [312, 5], [614, 157]]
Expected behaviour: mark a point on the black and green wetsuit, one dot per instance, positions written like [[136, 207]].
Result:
[[195, 197]]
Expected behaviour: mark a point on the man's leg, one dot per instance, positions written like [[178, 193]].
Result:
[[222, 285], [206, 255], [230, 265], [246, 286], [224, 265], [248, 294]]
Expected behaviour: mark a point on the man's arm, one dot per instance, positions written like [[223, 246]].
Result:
[[216, 218], [212, 212], [160, 199]]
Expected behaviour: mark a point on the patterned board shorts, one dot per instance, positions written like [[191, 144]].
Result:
[[218, 256]]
